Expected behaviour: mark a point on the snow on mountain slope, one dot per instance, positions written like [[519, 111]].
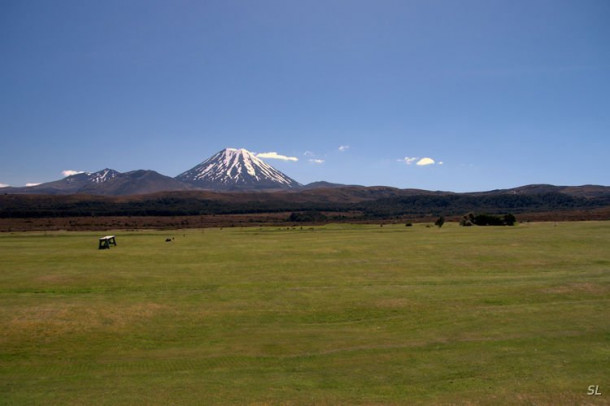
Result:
[[103, 176], [85, 178], [236, 169]]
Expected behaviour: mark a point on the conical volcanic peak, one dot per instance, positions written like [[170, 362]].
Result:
[[236, 169]]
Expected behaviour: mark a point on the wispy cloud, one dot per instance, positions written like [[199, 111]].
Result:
[[4, 185], [70, 172], [312, 158], [419, 161], [343, 148], [31, 184], [275, 155]]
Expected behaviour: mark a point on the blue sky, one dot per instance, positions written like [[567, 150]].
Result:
[[494, 93]]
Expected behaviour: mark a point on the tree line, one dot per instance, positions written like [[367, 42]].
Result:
[[20, 206]]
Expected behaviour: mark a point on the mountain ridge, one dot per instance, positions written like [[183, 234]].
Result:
[[238, 170], [106, 182], [356, 203]]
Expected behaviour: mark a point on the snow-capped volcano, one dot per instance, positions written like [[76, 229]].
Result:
[[236, 169]]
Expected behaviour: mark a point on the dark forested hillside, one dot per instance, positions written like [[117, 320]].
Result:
[[456, 204], [370, 203]]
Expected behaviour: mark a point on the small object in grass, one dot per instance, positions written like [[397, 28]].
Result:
[[106, 242]]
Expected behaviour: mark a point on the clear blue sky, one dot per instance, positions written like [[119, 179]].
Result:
[[502, 93]]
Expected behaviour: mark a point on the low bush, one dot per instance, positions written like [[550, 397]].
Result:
[[471, 219]]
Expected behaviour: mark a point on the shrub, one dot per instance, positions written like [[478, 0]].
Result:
[[308, 216], [467, 220], [487, 220], [509, 219]]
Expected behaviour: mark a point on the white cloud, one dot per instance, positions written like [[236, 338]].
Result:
[[309, 153], [275, 155], [31, 184], [343, 148], [316, 161], [425, 161], [70, 172], [419, 161], [4, 185]]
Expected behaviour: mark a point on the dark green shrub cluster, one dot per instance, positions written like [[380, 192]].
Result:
[[312, 216], [471, 219]]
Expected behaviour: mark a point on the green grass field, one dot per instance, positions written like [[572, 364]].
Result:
[[329, 315]]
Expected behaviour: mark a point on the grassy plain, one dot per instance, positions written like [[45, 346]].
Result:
[[339, 314]]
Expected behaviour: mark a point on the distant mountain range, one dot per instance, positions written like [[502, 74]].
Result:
[[106, 182], [233, 169], [228, 170]]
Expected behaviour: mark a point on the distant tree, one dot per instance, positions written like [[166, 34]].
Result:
[[509, 219], [488, 220], [467, 220], [439, 223]]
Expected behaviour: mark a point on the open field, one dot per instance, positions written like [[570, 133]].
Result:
[[340, 314]]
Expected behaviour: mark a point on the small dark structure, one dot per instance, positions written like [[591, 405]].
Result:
[[106, 242]]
